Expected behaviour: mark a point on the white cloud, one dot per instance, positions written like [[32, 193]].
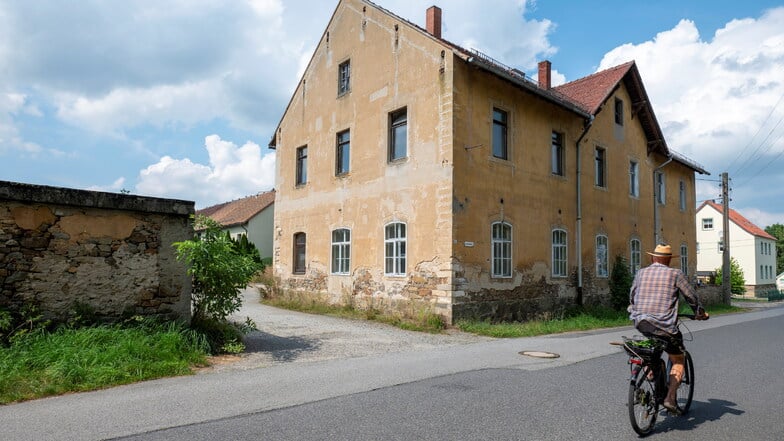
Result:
[[187, 103], [233, 172], [716, 100]]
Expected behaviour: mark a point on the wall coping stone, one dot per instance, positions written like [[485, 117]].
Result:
[[16, 191]]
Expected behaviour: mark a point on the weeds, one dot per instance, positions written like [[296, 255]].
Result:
[[67, 360], [422, 321]]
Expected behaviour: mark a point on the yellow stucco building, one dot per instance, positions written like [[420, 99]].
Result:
[[416, 175]]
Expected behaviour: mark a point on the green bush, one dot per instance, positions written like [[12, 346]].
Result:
[[218, 270], [620, 284], [737, 280]]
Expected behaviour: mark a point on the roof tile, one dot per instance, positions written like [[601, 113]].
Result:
[[740, 221], [239, 211]]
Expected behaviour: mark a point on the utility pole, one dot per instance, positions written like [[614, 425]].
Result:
[[725, 267]]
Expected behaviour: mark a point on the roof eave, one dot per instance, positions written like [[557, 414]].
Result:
[[527, 85]]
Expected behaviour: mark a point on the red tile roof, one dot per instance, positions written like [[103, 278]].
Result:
[[239, 211], [592, 91], [740, 221]]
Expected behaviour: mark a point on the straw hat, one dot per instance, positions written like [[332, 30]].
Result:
[[662, 251]]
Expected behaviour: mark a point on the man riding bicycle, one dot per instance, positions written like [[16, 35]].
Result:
[[654, 310]]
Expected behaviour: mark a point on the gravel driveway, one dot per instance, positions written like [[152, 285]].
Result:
[[293, 337]]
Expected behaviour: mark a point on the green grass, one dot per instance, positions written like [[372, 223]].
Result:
[[71, 360], [577, 320]]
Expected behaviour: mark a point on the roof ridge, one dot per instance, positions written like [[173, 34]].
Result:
[[600, 72]]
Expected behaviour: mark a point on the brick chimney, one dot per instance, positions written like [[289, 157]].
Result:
[[544, 74], [434, 21]]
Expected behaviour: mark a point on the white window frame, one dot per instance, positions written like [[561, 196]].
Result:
[[560, 253], [602, 260], [634, 179], [341, 252], [395, 249], [685, 259], [635, 255], [501, 250], [706, 227], [661, 188], [344, 78]]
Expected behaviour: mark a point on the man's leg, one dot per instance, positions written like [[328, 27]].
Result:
[[676, 375]]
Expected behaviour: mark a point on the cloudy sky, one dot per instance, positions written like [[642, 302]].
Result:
[[179, 98]]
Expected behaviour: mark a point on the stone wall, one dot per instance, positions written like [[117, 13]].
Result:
[[63, 248]]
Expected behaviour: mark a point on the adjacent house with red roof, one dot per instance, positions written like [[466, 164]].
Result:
[[251, 216], [752, 247], [416, 175]]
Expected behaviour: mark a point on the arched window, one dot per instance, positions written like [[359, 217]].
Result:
[[395, 249], [685, 259], [501, 249], [299, 253], [602, 264], [635, 256], [341, 251], [559, 253]]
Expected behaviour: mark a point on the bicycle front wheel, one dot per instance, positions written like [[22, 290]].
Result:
[[642, 404], [686, 389]]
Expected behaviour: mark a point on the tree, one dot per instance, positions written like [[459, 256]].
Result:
[[218, 270], [777, 231], [621, 280], [737, 280]]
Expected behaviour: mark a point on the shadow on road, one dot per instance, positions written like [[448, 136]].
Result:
[[700, 412], [280, 348]]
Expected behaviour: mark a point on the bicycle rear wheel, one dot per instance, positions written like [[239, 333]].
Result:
[[686, 389], [642, 404]]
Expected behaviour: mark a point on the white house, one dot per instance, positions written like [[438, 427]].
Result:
[[750, 245], [780, 282], [252, 216]]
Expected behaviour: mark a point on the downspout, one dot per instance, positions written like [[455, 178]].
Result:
[[656, 220], [579, 228]]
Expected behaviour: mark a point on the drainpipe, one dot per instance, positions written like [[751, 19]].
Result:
[[579, 232], [656, 220]]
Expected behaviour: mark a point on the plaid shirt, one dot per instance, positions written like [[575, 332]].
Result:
[[654, 296]]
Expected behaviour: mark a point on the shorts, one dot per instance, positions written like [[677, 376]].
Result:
[[673, 342]]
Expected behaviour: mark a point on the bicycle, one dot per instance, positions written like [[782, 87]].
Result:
[[649, 380]]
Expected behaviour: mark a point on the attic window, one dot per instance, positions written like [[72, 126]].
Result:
[[619, 111], [344, 78]]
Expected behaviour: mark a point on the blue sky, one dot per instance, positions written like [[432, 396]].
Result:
[[179, 98]]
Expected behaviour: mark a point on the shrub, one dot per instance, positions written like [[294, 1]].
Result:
[[218, 270], [620, 284], [737, 280]]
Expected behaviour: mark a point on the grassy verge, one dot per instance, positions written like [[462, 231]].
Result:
[[424, 322], [577, 320], [72, 360]]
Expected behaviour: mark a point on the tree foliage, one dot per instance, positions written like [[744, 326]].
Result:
[[218, 269], [621, 280], [777, 231], [737, 280]]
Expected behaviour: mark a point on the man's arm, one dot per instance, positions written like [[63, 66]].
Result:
[[682, 283]]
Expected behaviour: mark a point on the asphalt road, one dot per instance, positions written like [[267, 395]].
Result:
[[466, 390]]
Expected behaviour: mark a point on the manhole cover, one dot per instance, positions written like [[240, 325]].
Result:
[[539, 354]]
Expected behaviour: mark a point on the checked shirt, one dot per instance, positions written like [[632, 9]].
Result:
[[654, 296]]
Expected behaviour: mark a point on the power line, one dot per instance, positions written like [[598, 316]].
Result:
[[751, 140]]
